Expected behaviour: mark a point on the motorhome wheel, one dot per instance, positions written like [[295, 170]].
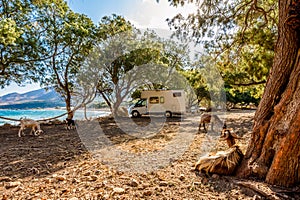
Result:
[[135, 113], [168, 114]]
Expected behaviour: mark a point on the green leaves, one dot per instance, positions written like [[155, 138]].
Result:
[[239, 36], [112, 25], [18, 42], [9, 32]]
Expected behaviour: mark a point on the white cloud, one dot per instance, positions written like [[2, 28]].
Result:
[[150, 14]]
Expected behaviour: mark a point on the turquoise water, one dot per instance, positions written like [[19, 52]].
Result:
[[44, 114]]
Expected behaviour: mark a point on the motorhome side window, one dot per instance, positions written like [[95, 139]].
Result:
[[177, 94], [154, 100], [162, 99]]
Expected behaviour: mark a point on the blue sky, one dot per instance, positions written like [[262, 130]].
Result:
[[142, 13]]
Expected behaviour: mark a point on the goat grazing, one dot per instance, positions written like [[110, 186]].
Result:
[[207, 118], [223, 162], [70, 124], [30, 123]]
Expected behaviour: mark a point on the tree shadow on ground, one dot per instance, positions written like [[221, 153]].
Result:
[[52, 151], [37, 155]]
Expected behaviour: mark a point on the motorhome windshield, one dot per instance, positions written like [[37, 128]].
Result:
[[141, 103]]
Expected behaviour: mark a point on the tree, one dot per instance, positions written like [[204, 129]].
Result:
[[274, 151], [196, 80], [127, 59], [18, 42], [67, 38], [109, 60], [117, 55], [242, 51]]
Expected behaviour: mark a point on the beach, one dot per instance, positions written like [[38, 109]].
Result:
[[66, 164]]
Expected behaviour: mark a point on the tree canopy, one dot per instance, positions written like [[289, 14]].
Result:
[[239, 36], [19, 42]]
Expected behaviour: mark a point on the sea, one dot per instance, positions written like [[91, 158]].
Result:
[[40, 114]]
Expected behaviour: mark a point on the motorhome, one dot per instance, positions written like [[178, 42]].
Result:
[[167, 102]]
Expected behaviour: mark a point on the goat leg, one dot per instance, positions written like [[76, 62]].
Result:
[[19, 134], [204, 127]]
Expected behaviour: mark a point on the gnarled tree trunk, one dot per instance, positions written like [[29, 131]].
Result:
[[274, 151]]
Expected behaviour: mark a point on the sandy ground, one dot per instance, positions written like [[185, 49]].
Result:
[[124, 158]]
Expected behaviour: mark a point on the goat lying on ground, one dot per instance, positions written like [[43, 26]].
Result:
[[30, 123], [213, 119], [223, 162], [70, 124]]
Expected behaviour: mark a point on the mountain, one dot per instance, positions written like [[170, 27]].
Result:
[[34, 99]]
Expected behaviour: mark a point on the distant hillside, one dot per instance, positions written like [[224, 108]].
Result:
[[34, 99]]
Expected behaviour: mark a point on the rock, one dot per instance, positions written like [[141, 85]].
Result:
[[161, 176], [181, 177], [147, 193], [133, 183], [74, 180], [13, 184], [59, 177], [93, 178], [170, 183], [118, 190], [48, 180], [163, 183], [97, 172], [87, 173]]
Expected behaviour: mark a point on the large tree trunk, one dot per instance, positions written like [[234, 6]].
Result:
[[274, 151]]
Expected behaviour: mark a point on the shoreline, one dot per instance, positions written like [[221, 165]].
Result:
[[44, 114], [60, 108]]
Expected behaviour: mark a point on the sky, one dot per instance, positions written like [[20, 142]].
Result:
[[142, 13]]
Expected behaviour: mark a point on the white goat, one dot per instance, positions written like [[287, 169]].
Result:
[[30, 123]]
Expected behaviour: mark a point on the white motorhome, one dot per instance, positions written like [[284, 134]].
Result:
[[167, 102]]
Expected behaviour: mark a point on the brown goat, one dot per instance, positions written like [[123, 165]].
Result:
[[206, 119], [223, 162], [229, 137]]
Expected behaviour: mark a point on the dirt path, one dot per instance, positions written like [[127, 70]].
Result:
[[136, 164]]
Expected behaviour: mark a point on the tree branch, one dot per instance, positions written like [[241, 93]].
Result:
[[249, 84]]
